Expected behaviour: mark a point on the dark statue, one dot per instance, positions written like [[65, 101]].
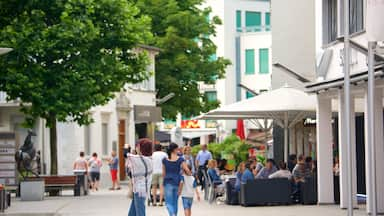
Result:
[[25, 156]]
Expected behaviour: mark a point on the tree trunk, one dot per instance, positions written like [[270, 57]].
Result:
[[53, 143]]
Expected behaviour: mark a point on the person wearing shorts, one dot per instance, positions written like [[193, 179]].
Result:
[[94, 171], [157, 176], [113, 167], [188, 187]]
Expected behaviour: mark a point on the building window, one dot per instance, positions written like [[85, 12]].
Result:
[[333, 18], [249, 94], [356, 18], [253, 21], [263, 61], [87, 140], [238, 21], [329, 21], [211, 96], [104, 138], [267, 21], [250, 61]]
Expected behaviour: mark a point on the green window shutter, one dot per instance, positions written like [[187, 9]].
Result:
[[253, 21], [238, 21], [250, 61], [249, 95], [267, 21], [263, 61]]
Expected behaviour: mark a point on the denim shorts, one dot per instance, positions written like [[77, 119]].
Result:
[[187, 202]]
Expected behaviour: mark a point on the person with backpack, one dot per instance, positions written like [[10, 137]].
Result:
[[94, 171]]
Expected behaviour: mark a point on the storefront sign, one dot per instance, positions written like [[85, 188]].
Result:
[[147, 114], [190, 124]]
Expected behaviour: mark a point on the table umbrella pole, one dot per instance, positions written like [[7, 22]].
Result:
[[286, 125]]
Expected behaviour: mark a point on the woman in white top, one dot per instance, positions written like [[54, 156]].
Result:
[[141, 169]]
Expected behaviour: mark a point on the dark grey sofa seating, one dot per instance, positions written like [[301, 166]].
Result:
[[266, 192]]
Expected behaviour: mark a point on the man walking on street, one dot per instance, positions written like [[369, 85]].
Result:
[[201, 159]]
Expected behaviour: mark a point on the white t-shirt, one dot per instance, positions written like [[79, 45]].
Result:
[[189, 186], [157, 160]]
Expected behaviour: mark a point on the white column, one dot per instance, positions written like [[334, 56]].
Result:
[[379, 149], [324, 150], [343, 153]]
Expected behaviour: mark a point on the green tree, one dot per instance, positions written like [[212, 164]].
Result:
[[69, 56], [182, 29]]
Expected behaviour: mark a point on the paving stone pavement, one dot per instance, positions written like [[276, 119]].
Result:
[[115, 203]]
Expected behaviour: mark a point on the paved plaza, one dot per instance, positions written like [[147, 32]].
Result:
[[111, 203]]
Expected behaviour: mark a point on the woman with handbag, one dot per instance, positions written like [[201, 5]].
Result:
[[172, 177], [140, 166]]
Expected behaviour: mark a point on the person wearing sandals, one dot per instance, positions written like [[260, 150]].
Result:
[[141, 169], [113, 163], [172, 177]]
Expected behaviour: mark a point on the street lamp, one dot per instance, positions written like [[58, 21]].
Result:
[[5, 50]]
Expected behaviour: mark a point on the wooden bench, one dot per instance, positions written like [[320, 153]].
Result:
[[59, 183]]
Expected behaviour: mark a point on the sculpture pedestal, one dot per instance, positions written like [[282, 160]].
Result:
[[32, 189]]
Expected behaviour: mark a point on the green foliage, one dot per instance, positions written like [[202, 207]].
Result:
[[182, 30], [231, 145], [70, 55]]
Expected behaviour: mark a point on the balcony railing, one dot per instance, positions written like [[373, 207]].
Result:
[[248, 29]]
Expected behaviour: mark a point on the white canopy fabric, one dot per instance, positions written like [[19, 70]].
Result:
[[286, 106]]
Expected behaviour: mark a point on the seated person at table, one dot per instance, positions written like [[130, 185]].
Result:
[[247, 174], [239, 174], [267, 170], [282, 173], [212, 172]]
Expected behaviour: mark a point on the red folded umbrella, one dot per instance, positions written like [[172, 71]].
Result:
[[240, 129]]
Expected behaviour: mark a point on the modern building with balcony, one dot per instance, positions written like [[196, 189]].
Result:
[[312, 59], [245, 39], [127, 117]]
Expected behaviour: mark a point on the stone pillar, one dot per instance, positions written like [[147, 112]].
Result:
[[324, 150], [343, 153], [379, 149]]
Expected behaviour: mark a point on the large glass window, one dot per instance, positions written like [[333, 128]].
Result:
[[238, 21], [253, 21], [263, 61], [250, 61], [267, 21]]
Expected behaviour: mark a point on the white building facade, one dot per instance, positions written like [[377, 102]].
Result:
[[245, 39], [124, 119]]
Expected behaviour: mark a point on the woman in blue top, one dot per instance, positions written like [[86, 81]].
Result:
[[247, 175], [212, 172], [172, 177], [239, 174]]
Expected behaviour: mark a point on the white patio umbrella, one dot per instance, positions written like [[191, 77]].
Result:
[[286, 106]]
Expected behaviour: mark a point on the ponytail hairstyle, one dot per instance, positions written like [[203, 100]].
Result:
[[171, 148]]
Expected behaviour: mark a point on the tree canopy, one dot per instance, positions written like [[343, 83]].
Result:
[[69, 55], [182, 29]]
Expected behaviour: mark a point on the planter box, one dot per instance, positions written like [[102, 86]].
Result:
[[32, 189]]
